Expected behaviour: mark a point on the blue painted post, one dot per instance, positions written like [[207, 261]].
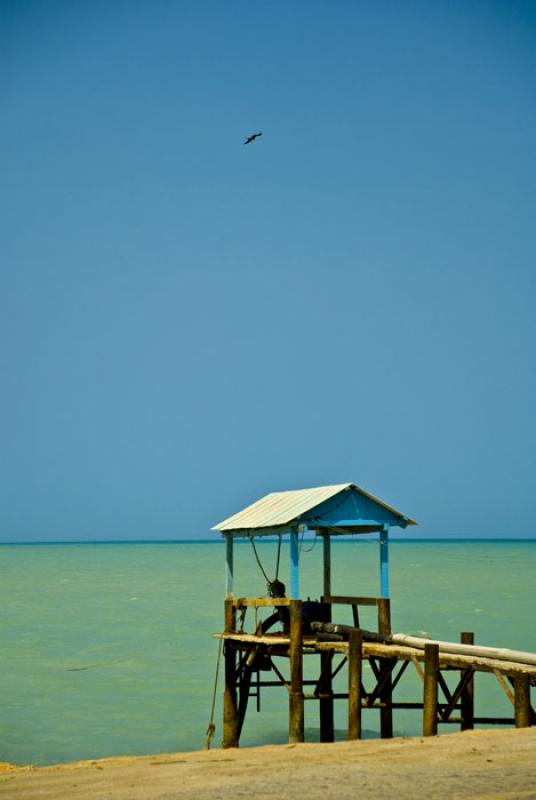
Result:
[[384, 562], [228, 565], [294, 567]]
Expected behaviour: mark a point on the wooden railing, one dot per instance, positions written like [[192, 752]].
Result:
[[383, 605]]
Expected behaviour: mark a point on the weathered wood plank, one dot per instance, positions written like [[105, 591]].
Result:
[[342, 600], [260, 602]]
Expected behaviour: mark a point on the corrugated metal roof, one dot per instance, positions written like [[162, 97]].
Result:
[[279, 508]]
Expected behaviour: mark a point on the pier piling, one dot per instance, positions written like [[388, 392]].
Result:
[[230, 708], [431, 671], [296, 709], [355, 665], [522, 707], [467, 700], [386, 694]]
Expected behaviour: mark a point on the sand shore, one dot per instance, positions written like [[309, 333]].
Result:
[[497, 765]]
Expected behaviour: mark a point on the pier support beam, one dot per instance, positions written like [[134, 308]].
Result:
[[326, 554], [431, 671], [467, 699], [384, 562], [386, 694], [355, 666], [294, 566], [384, 616], [229, 569], [325, 689], [295, 708], [325, 684], [230, 708], [522, 707]]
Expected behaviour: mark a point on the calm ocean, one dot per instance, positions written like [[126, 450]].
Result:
[[106, 648]]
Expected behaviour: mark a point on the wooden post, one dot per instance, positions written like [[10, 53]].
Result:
[[386, 698], [230, 708], [384, 562], [384, 616], [386, 694], [229, 571], [295, 709], [229, 616], [355, 664], [327, 724], [522, 707], [326, 541], [294, 566], [431, 670], [468, 694], [325, 687]]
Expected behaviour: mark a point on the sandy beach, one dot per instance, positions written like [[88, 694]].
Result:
[[497, 765]]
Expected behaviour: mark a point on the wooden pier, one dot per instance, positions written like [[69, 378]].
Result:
[[253, 659], [250, 668]]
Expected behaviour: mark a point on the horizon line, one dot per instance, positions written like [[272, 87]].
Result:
[[269, 539]]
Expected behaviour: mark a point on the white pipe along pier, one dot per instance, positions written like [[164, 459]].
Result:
[[498, 653]]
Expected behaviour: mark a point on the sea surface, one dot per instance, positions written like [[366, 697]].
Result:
[[106, 649]]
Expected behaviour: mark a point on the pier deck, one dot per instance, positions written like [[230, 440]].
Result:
[[278, 644]]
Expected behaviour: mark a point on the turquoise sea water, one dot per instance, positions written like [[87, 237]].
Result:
[[106, 648]]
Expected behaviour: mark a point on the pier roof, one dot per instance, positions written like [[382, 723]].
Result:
[[343, 508]]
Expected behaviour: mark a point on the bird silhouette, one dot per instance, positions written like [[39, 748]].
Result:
[[252, 138]]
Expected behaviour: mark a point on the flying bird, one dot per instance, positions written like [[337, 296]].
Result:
[[252, 138]]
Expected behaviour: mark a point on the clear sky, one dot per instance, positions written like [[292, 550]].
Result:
[[187, 323]]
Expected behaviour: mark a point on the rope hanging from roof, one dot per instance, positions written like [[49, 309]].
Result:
[[273, 586]]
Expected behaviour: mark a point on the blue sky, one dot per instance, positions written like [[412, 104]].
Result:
[[188, 323]]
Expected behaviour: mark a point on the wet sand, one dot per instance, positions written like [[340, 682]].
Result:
[[496, 765]]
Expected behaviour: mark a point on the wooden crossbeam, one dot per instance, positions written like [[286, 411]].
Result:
[[374, 667], [449, 708], [342, 600], [420, 671], [442, 682], [506, 689], [285, 683], [401, 671], [339, 667], [385, 673], [260, 602]]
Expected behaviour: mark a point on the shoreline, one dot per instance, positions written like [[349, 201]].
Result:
[[484, 764]]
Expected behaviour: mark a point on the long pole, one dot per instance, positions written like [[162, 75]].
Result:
[[294, 566], [230, 709], [296, 710], [384, 562], [327, 723]]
